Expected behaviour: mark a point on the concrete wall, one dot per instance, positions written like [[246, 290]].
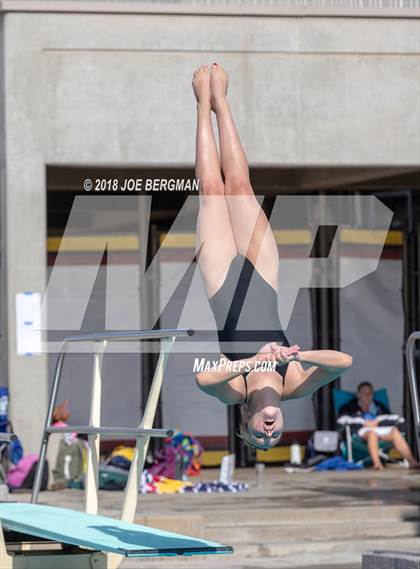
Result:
[[3, 280], [25, 224], [115, 89]]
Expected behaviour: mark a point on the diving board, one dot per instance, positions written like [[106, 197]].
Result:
[[100, 532], [36, 536]]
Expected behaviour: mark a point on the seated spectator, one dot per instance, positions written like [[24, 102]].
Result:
[[367, 408]]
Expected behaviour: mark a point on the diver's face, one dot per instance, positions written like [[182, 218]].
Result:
[[265, 427]]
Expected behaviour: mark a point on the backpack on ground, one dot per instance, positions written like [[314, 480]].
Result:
[[22, 475], [69, 465]]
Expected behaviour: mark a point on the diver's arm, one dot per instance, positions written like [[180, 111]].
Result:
[[326, 366], [329, 360]]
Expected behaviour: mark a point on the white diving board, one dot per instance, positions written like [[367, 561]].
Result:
[[101, 532]]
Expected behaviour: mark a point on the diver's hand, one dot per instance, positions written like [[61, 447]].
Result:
[[288, 354], [272, 352]]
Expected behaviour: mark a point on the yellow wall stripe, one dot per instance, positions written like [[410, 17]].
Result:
[[187, 240], [371, 236], [93, 243], [276, 454], [177, 240], [292, 236], [213, 457]]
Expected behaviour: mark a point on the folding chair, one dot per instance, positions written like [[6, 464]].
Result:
[[352, 447]]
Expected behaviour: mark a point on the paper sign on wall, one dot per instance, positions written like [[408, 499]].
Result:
[[28, 323]]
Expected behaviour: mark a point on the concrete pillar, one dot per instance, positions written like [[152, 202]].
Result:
[[23, 227], [3, 295]]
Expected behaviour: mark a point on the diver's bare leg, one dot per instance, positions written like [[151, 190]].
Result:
[[252, 232], [215, 244]]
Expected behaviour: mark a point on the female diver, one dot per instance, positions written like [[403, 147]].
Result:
[[238, 258]]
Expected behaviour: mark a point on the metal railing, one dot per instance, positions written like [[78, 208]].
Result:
[[94, 429], [414, 387]]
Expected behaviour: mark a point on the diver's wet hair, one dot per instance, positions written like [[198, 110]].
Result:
[[243, 428]]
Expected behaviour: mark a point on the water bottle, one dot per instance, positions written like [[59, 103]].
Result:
[[67, 461], [295, 454], [259, 472]]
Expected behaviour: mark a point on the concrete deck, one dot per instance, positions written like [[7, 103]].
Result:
[[309, 520]]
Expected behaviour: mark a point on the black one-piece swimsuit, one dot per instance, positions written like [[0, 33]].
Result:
[[245, 309]]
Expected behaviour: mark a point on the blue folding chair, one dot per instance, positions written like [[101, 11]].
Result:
[[352, 447]]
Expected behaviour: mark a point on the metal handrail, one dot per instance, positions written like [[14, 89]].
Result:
[[414, 388], [163, 433], [103, 338], [128, 335]]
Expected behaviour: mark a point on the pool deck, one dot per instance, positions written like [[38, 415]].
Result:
[[295, 520]]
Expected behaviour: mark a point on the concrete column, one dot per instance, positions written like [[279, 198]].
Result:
[[3, 294], [24, 228]]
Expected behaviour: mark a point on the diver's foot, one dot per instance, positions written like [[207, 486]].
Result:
[[219, 82], [201, 84]]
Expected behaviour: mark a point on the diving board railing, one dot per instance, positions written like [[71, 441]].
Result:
[[34, 535], [94, 429], [414, 387]]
